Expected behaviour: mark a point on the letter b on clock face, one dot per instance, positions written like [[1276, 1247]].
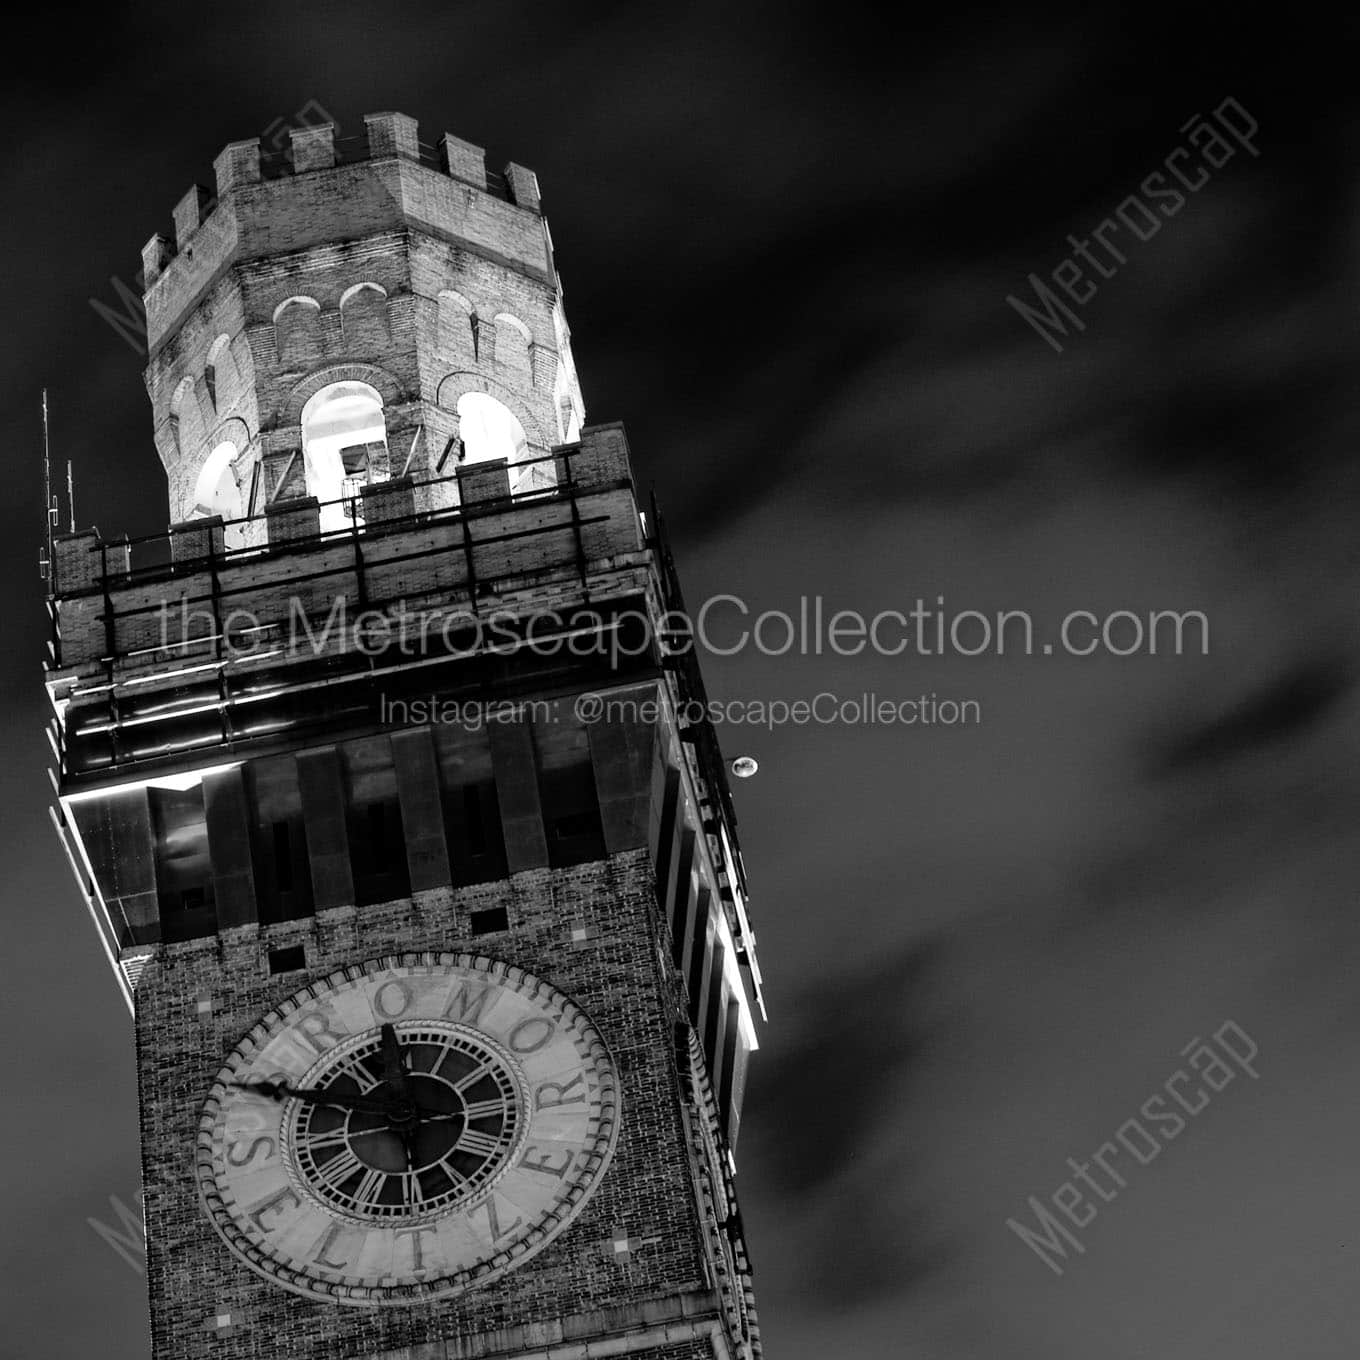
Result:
[[408, 1128]]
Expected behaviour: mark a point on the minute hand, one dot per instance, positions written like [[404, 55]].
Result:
[[340, 1100]]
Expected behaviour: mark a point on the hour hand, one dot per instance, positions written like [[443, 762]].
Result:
[[339, 1100], [394, 1062]]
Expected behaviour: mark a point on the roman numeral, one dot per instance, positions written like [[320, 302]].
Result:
[[451, 1171], [484, 1109], [410, 1189], [371, 1187], [357, 1072], [324, 1142], [335, 1171], [471, 1079], [478, 1143]]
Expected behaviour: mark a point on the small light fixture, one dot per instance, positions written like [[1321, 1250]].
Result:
[[744, 766]]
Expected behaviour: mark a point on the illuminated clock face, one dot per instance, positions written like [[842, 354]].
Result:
[[407, 1129]]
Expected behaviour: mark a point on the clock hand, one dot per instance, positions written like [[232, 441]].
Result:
[[394, 1062], [405, 1110], [408, 1147], [340, 1100]]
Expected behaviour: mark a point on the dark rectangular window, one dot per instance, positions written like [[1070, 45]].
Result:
[[377, 852], [490, 919], [282, 872], [713, 1012], [472, 818], [377, 842], [566, 786], [666, 846], [290, 959], [698, 950], [577, 824], [196, 898], [183, 863], [680, 907]]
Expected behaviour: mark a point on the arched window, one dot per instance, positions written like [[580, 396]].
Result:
[[512, 344], [488, 430], [344, 447], [363, 317], [216, 491], [458, 328], [186, 419], [297, 332], [215, 372]]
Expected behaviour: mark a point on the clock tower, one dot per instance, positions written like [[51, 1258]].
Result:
[[387, 777]]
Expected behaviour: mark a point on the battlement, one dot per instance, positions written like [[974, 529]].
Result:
[[272, 203]]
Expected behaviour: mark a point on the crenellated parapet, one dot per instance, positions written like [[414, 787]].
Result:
[[376, 269], [270, 203]]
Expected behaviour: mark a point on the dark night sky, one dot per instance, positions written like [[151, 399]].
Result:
[[786, 235]]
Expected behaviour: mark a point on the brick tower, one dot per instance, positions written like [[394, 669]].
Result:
[[386, 775]]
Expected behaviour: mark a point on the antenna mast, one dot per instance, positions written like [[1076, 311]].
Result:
[[50, 513]]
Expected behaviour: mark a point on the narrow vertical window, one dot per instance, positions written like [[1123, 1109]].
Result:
[[283, 857], [473, 820]]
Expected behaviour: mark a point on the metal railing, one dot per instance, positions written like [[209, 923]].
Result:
[[149, 556]]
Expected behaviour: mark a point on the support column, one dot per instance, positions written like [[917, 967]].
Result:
[[422, 813], [323, 817], [227, 811], [621, 757], [516, 770]]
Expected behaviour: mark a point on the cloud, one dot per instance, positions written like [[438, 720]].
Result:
[[1283, 709]]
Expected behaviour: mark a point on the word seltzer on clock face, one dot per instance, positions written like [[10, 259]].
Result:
[[408, 1128]]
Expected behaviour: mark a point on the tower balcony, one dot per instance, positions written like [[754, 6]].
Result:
[[173, 650], [192, 682]]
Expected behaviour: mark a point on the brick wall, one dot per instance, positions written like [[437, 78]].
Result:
[[618, 978]]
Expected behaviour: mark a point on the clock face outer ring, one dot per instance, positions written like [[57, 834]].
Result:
[[592, 1151]]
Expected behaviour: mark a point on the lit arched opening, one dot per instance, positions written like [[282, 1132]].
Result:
[[218, 492], [488, 430], [344, 447]]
